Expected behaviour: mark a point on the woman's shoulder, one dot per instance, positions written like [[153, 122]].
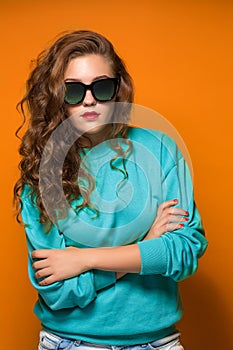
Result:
[[160, 144], [149, 136], [28, 196], [26, 192]]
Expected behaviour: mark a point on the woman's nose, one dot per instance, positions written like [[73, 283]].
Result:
[[89, 99]]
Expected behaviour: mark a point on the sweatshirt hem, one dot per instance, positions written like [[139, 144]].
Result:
[[122, 340]]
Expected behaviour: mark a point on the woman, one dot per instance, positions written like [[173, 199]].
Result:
[[106, 263]]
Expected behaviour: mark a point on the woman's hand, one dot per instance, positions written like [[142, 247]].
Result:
[[58, 264], [167, 219]]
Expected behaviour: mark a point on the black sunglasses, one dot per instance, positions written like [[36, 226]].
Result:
[[103, 90]]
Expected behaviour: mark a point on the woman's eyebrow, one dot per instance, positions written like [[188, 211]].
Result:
[[100, 77], [94, 79]]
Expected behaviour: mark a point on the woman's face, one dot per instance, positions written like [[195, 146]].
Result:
[[90, 116]]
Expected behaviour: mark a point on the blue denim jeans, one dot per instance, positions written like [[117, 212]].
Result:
[[49, 341]]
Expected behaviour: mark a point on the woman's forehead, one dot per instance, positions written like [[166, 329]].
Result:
[[88, 67]]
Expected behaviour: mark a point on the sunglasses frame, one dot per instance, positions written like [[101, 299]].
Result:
[[91, 88]]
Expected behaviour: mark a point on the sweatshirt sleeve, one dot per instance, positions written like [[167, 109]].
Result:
[[175, 254], [76, 291]]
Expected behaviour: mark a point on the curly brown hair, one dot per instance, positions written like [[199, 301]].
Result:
[[44, 104]]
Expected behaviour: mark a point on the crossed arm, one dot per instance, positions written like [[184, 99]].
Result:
[[60, 264]]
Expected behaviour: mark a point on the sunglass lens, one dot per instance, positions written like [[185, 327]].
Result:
[[104, 90], [74, 93]]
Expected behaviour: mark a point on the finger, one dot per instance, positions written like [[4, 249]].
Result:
[[43, 273], [167, 218], [174, 218], [167, 204], [48, 280], [173, 227], [176, 211], [40, 254], [40, 264], [168, 227]]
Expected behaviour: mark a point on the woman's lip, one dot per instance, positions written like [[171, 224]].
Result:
[[90, 115]]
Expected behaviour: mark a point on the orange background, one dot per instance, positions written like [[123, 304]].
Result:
[[180, 54]]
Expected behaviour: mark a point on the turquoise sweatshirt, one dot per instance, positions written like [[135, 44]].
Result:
[[137, 308]]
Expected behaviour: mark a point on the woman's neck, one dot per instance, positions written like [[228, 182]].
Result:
[[92, 139]]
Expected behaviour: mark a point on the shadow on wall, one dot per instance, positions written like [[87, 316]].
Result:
[[206, 323]]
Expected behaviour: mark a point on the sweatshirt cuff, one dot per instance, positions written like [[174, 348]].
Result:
[[153, 257], [103, 279]]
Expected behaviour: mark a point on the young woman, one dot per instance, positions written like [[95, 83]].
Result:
[[106, 263]]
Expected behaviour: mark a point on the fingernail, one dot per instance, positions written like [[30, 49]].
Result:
[[186, 213], [186, 219], [175, 200], [181, 225]]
